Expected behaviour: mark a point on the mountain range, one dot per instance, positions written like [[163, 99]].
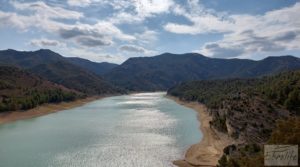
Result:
[[60, 70], [97, 68], [232, 90], [166, 70], [140, 73]]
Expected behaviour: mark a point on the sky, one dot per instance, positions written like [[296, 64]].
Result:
[[115, 30]]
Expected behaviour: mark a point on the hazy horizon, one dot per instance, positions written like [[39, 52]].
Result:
[[149, 56]]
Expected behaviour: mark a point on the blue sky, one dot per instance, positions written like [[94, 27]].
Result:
[[114, 30]]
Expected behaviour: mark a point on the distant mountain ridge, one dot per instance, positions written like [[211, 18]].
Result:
[[58, 69], [97, 68], [141, 73], [166, 70]]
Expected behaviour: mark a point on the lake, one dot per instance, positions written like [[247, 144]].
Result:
[[137, 130]]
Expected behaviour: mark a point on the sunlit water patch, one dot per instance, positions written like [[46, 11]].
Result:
[[139, 130]]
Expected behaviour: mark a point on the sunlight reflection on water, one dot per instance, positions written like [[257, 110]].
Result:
[[143, 139], [139, 130]]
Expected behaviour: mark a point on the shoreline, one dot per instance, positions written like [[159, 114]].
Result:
[[44, 109], [210, 148], [205, 153]]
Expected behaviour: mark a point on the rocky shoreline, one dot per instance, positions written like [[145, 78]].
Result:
[[209, 150]]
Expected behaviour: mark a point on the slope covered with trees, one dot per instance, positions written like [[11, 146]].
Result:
[[20, 90], [164, 71], [282, 89], [58, 69], [252, 111], [97, 68], [262, 101]]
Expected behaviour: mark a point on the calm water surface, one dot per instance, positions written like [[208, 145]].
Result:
[[139, 130]]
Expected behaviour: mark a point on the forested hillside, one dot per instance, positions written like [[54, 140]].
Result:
[[282, 89], [58, 69], [166, 70], [263, 101], [248, 111], [97, 68], [20, 90]]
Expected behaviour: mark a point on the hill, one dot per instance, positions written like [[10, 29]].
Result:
[[262, 101], [97, 68], [164, 71], [248, 110], [57, 69], [20, 90]]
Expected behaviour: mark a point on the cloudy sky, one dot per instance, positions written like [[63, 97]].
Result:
[[114, 30]]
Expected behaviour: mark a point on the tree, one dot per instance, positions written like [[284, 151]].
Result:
[[222, 161], [293, 101]]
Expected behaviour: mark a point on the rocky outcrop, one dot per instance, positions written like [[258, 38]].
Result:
[[247, 118]]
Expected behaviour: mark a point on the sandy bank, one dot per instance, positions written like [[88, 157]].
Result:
[[43, 110], [210, 148]]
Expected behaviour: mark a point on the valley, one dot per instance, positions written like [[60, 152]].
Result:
[[265, 92], [149, 83]]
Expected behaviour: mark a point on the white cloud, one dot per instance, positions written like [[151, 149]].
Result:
[[136, 49], [220, 51], [100, 34], [44, 17], [149, 7], [202, 24], [92, 42], [126, 17], [38, 14], [203, 20], [136, 11], [243, 34], [43, 42], [50, 18], [90, 38], [93, 55], [79, 2], [108, 28], [147, 37], [132, 48], [44, 11], [13, 20]]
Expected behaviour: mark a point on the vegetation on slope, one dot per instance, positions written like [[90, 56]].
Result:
[[164, 71], [97, 68], [282, 89], [20, 90], [58, 69], [248, 109], [249, 155], [74, 78]]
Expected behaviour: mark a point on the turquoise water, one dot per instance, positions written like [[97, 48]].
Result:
[[138, 130]]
